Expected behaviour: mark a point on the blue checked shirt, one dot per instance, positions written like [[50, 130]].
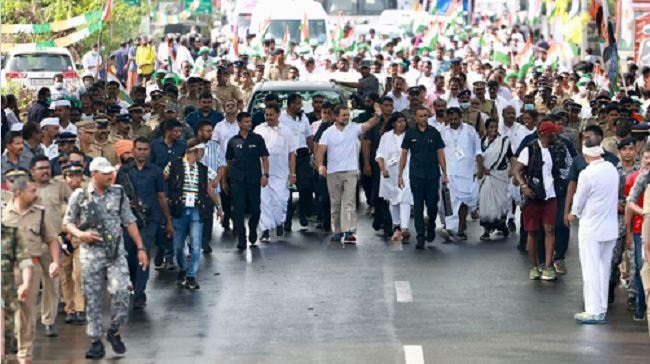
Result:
[[213, 158]]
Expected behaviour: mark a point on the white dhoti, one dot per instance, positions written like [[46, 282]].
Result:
[[273, 199], [514, 195], [463, 190], [596, 262]]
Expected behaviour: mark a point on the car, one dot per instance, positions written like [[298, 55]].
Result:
[[307, 89], [35, 68]]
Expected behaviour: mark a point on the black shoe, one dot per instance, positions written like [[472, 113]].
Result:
[[462, 236], [511, 225], [505, 231], [180, 279], [70, 318], [319, 225], [279, 230], [419, 245], [612, 294], [80, 318], [226, 226], [96, 350], [241, 246], [113, 337], [158, 262], [252, 236], [50, 331], [265, 236], [287, 226], [303, 221], [140, 301], [207, 249], [191, 284], [485, 236], [431, 235]]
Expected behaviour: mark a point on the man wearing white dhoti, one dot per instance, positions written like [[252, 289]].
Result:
[[596, 207], [282, 170], [464, 157]]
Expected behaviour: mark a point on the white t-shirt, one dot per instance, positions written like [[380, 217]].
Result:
[[399, 103], [298, 128], [341, 147], [547, 168]]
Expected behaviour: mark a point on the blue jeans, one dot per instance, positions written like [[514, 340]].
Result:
[[638, 264], [138, 276], [189, 223]]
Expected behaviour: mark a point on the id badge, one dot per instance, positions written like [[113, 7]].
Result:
[[190, 199], [459, 153]]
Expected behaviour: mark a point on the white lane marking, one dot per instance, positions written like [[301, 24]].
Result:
[[413, 354], [403, 290]]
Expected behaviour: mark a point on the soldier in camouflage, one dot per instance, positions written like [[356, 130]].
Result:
[[14, 255], [95, 215]]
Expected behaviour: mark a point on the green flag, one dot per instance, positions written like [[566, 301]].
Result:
[[501, 57]]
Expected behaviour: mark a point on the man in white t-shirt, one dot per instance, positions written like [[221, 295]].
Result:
[[537, 187], [341, 145]]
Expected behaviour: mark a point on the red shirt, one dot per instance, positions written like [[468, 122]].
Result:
[[637, 220]]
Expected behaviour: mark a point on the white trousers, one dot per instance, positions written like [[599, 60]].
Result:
[[273, 203], [596, 262], [401, 215]]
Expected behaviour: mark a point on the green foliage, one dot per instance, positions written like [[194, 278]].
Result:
[[124, 22], [23, 95]]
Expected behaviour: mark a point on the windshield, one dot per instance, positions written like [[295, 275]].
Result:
[[40, 62], [317, 30], [257, 101]]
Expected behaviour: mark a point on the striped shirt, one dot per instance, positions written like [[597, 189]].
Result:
[[213, 158]]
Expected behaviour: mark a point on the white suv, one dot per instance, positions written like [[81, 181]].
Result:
[[35, 68]]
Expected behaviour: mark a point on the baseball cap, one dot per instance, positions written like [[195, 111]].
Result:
[[101, 165]]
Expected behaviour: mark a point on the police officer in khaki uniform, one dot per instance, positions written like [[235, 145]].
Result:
[[469, 113], [103, 145], [122, 128], [138, 127], [87, 130], [224, 91], [487, 106], [73, 298], [51, 196], [39, 235], [278, 71]]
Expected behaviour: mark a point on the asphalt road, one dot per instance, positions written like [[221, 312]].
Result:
[[303, 299]]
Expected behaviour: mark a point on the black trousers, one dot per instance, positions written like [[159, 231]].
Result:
[[305, 185], [226, 204], [425, 191], [208, 225], [381, 219], [245, 196]]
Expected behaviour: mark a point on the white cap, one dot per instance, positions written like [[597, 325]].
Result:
[[16, 127], [50, 122], [60, 103], [101, 165]]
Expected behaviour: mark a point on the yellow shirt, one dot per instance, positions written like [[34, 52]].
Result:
[[145, 58]]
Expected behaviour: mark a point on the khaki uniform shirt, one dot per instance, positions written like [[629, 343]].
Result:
[[227, 92], [277, 73], [141, 131], [610, 144], [52, 197], [490, 108], [34, 232], [475, 119], [106, 150]]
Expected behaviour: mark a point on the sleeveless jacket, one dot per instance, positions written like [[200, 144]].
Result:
[[175, 190]]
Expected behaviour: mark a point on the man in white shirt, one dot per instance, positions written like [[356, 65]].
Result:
[[537, 187], [92, 61], [426, 76], [463, 155], [50, 129], [296, 124], [595, 204], [400, 99], [282, 171], [340, 142], [222, 133], [62, 111]]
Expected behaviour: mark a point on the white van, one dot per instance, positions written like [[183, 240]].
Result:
[[283, 15], [34, 68]]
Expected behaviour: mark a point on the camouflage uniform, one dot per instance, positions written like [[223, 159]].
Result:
[[106, 258], [619, 248], [14, 255]]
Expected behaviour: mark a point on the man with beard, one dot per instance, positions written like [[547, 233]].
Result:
[[204, 112], [52, 194], [414, 104], [367, 84], [439, 119], [50, 129], [138, 127], [145, 180], [339, 142]]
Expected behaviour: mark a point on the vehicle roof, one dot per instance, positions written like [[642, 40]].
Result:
[[34, 50], [296, 86], [290, 9]]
